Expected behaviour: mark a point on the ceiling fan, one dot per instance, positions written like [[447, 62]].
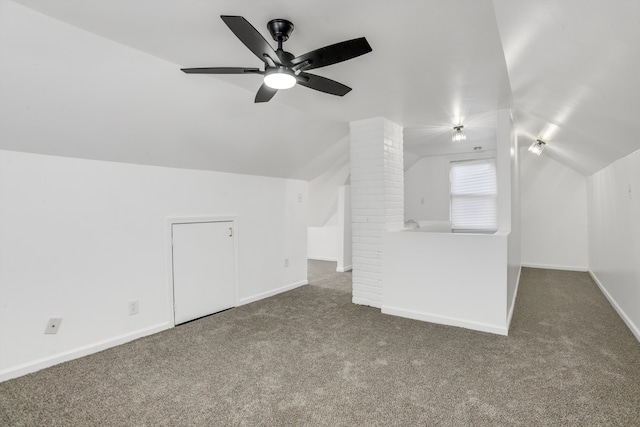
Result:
[[282, 70]]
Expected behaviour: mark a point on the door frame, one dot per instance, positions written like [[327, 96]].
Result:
[[170, 221]]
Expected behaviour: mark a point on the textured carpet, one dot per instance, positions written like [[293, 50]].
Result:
[[310, 357]]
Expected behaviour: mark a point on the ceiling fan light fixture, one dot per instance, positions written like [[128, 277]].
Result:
[[458, 134], [537, 147], [282, 69], [280, 78]]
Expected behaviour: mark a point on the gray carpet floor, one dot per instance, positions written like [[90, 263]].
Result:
[[310, 357]]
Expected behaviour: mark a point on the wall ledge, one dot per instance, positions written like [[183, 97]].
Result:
[[449, 321], [635, 330], [45, 362]]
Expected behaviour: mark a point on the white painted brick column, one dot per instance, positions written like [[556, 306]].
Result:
[[377, 201]]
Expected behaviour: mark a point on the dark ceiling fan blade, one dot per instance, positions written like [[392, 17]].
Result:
[[265, 93], [250, 37], [222, 70], [323, 84], [333, 54]]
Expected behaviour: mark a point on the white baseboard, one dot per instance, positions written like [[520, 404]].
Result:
[[320, 258], [443, 320], [45, 362], [273, 292], [635, 330], [513, 300], [345, 268], [555, 267]]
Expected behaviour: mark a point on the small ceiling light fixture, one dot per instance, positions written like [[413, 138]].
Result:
[[537, 147], [458, 134], [280, 78]]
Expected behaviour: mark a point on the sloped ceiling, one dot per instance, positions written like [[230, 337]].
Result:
[[565, 67], [573, 67]]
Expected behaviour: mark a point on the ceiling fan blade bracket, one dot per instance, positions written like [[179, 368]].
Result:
[[284, 57], [269, 61], [302, 78], [302, 66]]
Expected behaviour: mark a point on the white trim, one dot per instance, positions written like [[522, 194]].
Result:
[[366, 301], [635, 330], [169, 254], [273, 292], [513, 300], [443, 320], [555, 267], [344, 269], [320, 258], [45, 362]]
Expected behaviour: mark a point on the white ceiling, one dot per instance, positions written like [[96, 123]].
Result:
[[565, 67], [573, 68]]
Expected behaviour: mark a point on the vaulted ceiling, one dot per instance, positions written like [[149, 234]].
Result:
[[566, 68]]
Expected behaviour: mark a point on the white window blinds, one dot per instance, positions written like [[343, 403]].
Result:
[[474, 194]]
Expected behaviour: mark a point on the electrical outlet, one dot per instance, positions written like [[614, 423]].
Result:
[[299, 197], [134, 307], [286, 262], [53, 325]]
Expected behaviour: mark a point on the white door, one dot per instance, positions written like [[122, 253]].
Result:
[[203, 281]]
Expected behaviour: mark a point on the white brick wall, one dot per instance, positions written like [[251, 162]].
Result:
[[377, 201]]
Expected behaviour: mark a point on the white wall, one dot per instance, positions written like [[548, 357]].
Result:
[[323, 201], [448, 278], [323, 212], [80, 238], [614, 235], [426, 190], [426, 186], [508, 177], [554, 214], [322, 242], [332, 241]]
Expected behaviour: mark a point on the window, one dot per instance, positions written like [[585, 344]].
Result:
[[474, 195]]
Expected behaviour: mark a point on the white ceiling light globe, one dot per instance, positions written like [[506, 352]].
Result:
[[280, 79]]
